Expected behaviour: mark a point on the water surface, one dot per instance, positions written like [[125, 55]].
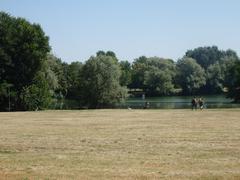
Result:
[[179, 102]]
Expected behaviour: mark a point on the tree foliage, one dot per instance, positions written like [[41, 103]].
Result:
[[215, 78], [73, 73], [190, 75], [139, 68], [205, 56], [233, 81], [37, 96], [213, 61], [126, 76], [23, 50], [100, 82], [32, 78], [158, 82], [154, 75]]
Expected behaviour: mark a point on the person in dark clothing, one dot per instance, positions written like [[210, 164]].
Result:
[[194, 103], [201, 103], [147, 105]]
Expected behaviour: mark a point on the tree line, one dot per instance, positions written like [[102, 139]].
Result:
[[32, 78]]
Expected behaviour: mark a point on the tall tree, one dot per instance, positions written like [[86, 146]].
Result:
[[100, 82], [153, 75], [159, 77], [37, 96], [139, 67], [158, 82], [23, 50], [232, 80], [214, 79], [205, 56], [213, 61], [73, 77], [125, 78], [190, 75]]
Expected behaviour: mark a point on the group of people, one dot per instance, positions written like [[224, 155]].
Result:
[[197, 102]]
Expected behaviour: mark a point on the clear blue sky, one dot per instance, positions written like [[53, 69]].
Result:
[[131, 28]]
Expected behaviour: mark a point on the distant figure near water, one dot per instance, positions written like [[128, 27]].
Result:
[[201, 103], [197, 103], [147, 105], [194, 103]]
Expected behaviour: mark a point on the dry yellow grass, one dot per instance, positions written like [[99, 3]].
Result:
[[120, 144]]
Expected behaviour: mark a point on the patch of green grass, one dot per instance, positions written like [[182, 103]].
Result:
[[2, 151]]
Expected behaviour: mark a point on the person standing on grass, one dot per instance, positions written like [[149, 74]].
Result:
[[201, 103], [194, 103]]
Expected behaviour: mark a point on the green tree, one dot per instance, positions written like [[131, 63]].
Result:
[[139, 67], [23, 50], [74, 80], [153, 75], [159, 77], [57, 77], [190, 76], [6, 94], [214, 79], [51, 69], [125, 78], [158, 82], [232, 81], [108, 53], [37, 96], [111, 53], [101, 53], [205, 56], [100, 85], [213, 61], [216, 73]]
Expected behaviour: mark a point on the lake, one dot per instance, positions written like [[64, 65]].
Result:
[[178, 102]]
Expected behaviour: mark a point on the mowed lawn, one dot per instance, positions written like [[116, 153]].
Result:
[[120, 144]]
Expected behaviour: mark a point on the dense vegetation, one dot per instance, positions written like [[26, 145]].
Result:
[[32, 78]]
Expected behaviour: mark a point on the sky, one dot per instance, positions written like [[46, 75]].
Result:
[[131, 28]]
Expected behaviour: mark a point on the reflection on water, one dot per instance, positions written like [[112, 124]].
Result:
[[179, 102]]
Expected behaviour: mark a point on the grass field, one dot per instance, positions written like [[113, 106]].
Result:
[[120, 144]]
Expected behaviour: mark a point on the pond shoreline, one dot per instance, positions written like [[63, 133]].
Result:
[[178, 102]]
